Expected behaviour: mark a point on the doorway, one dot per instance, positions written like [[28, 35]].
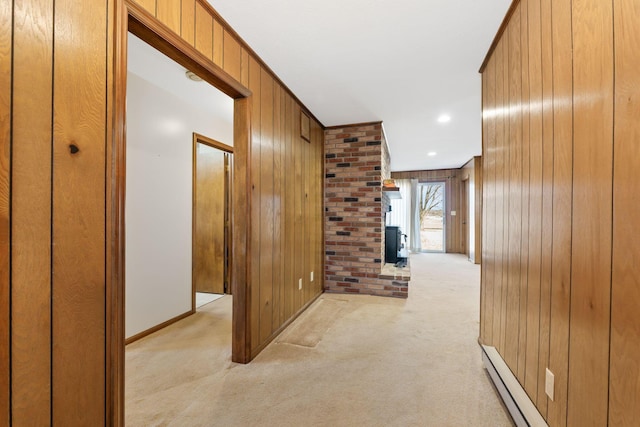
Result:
[[432, 216], [211, 239]]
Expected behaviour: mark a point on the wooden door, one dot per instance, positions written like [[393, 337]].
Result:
[[209, 212]]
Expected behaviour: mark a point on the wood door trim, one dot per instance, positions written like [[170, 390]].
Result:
[[159, 36], [130, 17], [211, 143]]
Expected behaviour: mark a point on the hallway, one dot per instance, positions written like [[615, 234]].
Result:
[[349, 360]]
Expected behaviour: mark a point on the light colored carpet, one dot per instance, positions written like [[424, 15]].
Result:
[[349, 360], [203, 298]]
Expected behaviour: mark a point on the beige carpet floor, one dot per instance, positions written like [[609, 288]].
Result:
[[349, 360]]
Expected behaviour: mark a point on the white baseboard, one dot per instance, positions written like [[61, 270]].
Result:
[[522, 410]]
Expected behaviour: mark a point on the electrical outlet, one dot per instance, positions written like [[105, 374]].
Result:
[[312, 276], [549, 384], [453, 213], [300, 284]]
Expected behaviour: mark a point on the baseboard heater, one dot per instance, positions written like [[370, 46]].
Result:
[[522, 410]]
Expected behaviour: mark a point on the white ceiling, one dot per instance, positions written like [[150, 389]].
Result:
[[403, 62]]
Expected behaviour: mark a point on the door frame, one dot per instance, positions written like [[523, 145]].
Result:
[[130, 17], [228, 240]]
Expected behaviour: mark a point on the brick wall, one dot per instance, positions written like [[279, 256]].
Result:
[[356, 162]]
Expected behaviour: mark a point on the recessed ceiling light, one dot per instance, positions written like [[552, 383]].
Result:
[[193, 76], [444, 118], [431, 153]]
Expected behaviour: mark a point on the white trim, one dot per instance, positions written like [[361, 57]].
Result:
[[521, 408]]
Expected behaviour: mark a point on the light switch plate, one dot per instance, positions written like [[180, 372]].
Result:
[[453, 213], [549, 384], [312, 276], [300, 284]]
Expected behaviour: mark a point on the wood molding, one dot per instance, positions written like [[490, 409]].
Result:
[[131, 17], [241, 232], [498, 36], [212, 143], [115, 237], [159, 36], [156, 328]]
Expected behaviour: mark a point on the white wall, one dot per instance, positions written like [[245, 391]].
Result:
[[158, 199]]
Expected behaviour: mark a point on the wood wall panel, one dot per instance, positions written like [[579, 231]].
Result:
[[244, 67], [562, 215], [232, 56], [547, 199], [306, 169], [78, 282], [500, 290], [292, 281], [149, 5], [204, 31], [188, 21], [525, 189], [169, 12], [218, 43], [592, 211], [513, 210], [266, 209], [31, 209], [6, 48], [488, 205], [578, 158], [318, 173], [255, 72], [298, 209], [624, 386], [535, 200], [278, 259]]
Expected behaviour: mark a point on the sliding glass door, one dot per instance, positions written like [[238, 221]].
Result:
[[431, 199]]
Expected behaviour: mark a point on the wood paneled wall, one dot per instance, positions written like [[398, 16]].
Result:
[[561, 161], [455, 239], [53, 184], [57, 132]]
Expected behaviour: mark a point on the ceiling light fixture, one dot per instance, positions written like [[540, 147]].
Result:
[[431, 153], [192, 76], [444, 118]]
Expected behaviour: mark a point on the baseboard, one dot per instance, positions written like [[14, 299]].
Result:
[[156, 328], [522, 410]]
